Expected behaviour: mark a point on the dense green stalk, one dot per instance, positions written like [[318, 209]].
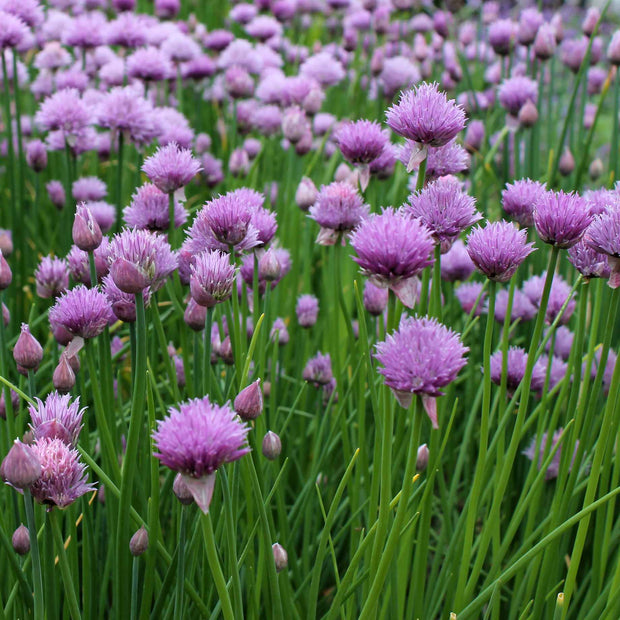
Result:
[[37, 578], [65, 571]]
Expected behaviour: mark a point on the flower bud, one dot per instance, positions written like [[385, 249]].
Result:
[[422, 458], [21, 540], [86, 232], [14, 402], [239, 163], [304, 145], [294, 124], [272, 446], [306, 194], [567, 163], [249, 402], [56, 194], [128, 277], [6, 275], [63, 377], [6, 242], [226, 352], [195, 315], [27, 353], [528, 114], [182, 492], [269, 267], [139, 542], [21, 467], [36, 155], [591, 19], [6, 315], [596, 169], [613, 51], [280, 557]]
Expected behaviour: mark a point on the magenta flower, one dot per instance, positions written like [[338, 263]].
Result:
[[558, 295], [149, 64], [64, 111], [307, 310], [441, 161], [561, 219], [445, 209], [81, 311], [338, 209], [375, 298], [63, 477], [392, 249], [421, 357], [515, 92], [212, 278], [554, 467], [468, 294], [57, 418], [515, 367], [149, 210], [171, 168], [522, 307], [498, 249], [519, 198], [198, 438], [78, 262], [456, 263], [123, 304], [12, 31], [88, 188], [603, 236], [361, 141], [318, 370], [51, 277], [139, 258]]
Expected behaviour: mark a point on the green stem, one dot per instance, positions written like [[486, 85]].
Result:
[[37, 578], [135, 575], [180, 589], [206, 364], [171, 229], [92, 268], [65, 571], [421, 175], [119, 178], [216, 567]]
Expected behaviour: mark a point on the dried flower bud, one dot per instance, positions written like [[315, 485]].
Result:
[[21, 467], [63, 377], [249, 402], [27, 353], [181, 490], [21, 540], [280, 557], [86, 232], [272, 446], [139, 542], [422, 458]]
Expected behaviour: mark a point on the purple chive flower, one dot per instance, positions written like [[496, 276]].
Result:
[[307, 310], [279, 331], [421, 357], [361, 141], [338, 209], [103, 212], [196, 440], [451, 158], [265, 223], [559, 293], [123, 304], [171, 168], [12, 31], [212, 278], [456, 263], [89, 188], [515, 367], [36, 155], [601, 200], [51, 277], [318, 370], [563, 342], [81, 311], [502, 35], [79, 265], [603, 236], [498, 249], [149, 210], [57, 418], [468, 294], [139, 258], [515, 92], [63, 477], [392, 249], [64, 111], [561, 219], [445, 209], [522, 307], [322, 68], [425, 116], [149, 64], [519, 198], [375, 298], [554, 467]]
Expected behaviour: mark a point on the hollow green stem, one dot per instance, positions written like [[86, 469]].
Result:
[[37, 578], [65, 571]]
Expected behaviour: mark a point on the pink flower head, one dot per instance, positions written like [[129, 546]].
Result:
[[81, 311], [57, 417], [561, 219], [149, 210], [171, 168]]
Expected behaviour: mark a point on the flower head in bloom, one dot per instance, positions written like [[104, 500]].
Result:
[[88, 188], [421, 357], [149, 64], [515, 92], [522, 307], [603, 236], [57, 417], [318, 370], [171, 168], [196, 439], [13, 31], [81, 311], [63, 477], [361, 141], [64, 111], [451, 158], [471, 297], [51, 277], [561, 219], [554, 467], [392, 248], [307, 310], [123, 304], [426, 116], [445, 209], [519, 198], [149, 209], [558, 296], [516, 360], [498, 249], [456, 263], [139, 258], [338, 209], [78, 262], [212, 278]]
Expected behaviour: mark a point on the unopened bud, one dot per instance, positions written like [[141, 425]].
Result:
[[272, 446], [21, 467], [21, 540], [181, 490], [139, 542], [6, 242], [226, 352], [195, 315], [596, 169], [27, 353], [128, 277], [422, 458], [249, 402], [306, 194], [528, 114], [269, 267], [567, 163], [86, 232], [63, 377], [280, 557], [6, 275]]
